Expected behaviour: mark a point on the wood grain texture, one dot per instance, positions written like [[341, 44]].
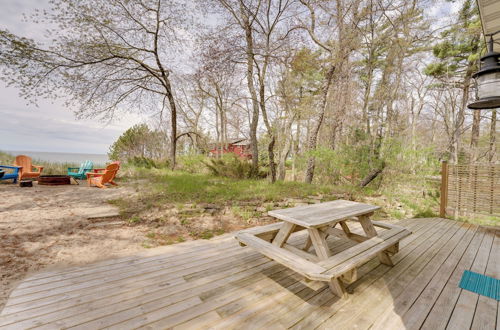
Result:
[[318, 239], [317, 215], [217, 284]]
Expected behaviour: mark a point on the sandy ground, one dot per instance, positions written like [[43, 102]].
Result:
[[59, 226]]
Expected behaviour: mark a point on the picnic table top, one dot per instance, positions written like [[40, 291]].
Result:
[[318, 215]]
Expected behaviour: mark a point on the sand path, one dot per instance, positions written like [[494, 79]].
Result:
[[59, 226]]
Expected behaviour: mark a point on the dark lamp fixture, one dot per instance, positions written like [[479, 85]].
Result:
[[488, 80]]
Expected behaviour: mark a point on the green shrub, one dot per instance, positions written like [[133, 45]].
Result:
[[231, 166], [427, 213], [193, 163], [139, 140]]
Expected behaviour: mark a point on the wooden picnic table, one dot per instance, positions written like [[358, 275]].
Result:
[[320, 220]]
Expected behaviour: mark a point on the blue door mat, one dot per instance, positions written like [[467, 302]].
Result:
[[481, 284]]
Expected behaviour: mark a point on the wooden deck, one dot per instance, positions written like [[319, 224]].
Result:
[[217, 284]]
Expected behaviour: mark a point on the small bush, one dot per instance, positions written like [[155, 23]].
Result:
[[231, 166], [427, 213]]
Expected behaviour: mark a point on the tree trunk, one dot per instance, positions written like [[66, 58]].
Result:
[[493, 133], [281, 171], [474, 139], [313, 138], [218, 142], [296, 150], [457, 131], [270, 131], [251, 88], [272, 163], [173, 125]]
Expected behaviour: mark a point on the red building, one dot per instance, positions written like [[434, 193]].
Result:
[[240, 147]]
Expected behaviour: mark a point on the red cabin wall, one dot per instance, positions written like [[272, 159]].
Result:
[[241, 151]]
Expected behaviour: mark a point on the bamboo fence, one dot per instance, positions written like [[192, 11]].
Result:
[[469, 189]]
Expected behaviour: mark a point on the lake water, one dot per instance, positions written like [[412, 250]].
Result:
[[62, 157]]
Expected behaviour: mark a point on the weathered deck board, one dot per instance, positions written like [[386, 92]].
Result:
[[217, 284], [486, 309], [461, 318]]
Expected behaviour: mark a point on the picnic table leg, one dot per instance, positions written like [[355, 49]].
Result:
[[371, 232], [337, 288], [319, 242], [283, 234], [345, 228], [350, 276], [308, 244]]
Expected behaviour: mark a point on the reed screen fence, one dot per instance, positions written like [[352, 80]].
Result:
[[469, 189]]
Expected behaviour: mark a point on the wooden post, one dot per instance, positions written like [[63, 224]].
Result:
[[444, 189]]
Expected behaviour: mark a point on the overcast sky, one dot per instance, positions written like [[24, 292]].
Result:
[[51, 126]]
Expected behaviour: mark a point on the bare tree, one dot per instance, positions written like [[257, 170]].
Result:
[[243, 14], [340, 18], [107, 56], [273, 31], [217, 80]]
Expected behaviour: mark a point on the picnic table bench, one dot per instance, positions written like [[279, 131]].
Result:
[[320, 220]]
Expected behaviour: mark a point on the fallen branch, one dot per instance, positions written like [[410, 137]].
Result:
[[371, 176]]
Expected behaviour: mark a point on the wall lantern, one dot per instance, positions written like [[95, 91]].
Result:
[[488, 79]]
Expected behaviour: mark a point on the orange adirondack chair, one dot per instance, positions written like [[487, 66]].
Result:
[[26, 170], [101, 170], [101, 178]]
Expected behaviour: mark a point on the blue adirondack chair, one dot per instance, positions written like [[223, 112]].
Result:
[[12, 174], [81, 172]]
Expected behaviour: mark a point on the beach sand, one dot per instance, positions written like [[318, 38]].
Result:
[[65, 225]]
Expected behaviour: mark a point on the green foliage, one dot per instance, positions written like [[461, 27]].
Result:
[[139, 141], [404, 161], [5, 158], [231, 166], [49, 168], [460, 45], [427, 213], [347, 163], [148, 163], [178, 187], [306, 64], [301, 84], [192, 163], [350, 162]]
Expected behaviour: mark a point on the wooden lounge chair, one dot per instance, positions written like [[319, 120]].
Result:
[[99, 179], [26, 168], [101, 170], [80, 172], [12, 174]]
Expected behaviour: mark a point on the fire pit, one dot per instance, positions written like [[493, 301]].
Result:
[[53, 180]]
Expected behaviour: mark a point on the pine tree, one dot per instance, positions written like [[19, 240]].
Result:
[[457, 58]]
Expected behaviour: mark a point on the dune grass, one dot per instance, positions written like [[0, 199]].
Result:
[[48, 167], [182, 187]]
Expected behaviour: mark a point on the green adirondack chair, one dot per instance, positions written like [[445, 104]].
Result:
[[81, 172]]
